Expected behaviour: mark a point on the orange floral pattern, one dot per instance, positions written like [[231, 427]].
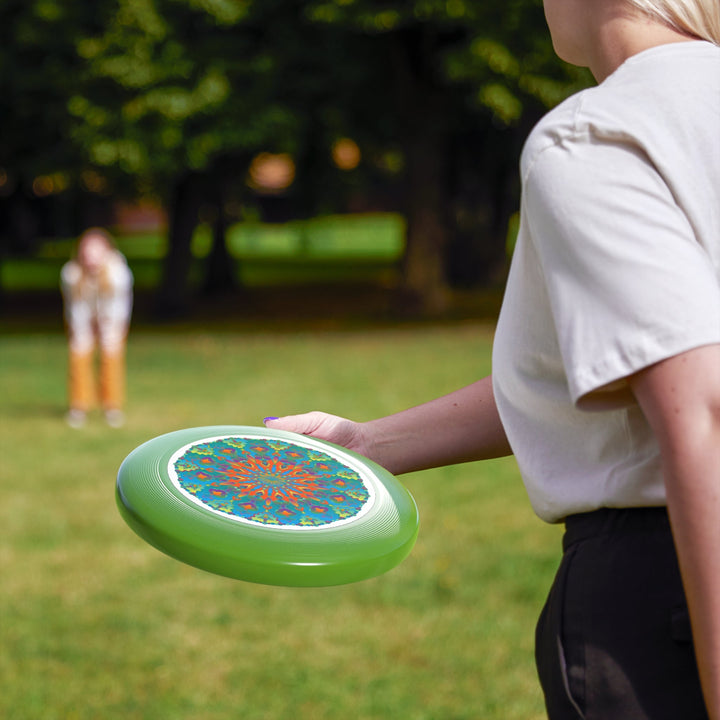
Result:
[[270, 482]]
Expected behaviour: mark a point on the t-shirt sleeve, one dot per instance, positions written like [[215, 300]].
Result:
[[629, 282]]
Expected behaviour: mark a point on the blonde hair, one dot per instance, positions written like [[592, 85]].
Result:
[[699, 18], [99, 233]]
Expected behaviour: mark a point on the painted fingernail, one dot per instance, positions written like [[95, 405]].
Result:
[[270, 417]]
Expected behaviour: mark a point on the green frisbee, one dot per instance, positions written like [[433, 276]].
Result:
[[267, 506]]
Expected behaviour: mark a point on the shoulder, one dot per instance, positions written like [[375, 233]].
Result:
[[116, 272], [70, 274], [649, 104], [117, 265], [554, 129], [595, 116]]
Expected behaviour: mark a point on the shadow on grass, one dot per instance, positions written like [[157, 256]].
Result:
[[267, 309]]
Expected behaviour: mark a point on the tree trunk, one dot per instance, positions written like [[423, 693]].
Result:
[[220, 267], [424, 142], [174, 297], [485, 194], [424, 277]]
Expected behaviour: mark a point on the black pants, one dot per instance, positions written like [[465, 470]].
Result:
[[613, 641]]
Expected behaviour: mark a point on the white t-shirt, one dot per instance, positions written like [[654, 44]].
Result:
[[617, 266], [97, 308]]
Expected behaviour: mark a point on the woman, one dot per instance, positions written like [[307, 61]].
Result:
[[97, 293], [606, 365]]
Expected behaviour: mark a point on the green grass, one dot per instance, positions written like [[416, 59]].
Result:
[[94, 623]]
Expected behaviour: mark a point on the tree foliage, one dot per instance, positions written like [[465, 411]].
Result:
[[469, 77], [175, 97], [39, 68]]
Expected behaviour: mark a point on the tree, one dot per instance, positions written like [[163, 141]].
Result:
[[461, 72], [175, 98], [184, 93], [170, 88], [38, 68]]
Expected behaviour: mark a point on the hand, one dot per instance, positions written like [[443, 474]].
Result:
[[332, 428]]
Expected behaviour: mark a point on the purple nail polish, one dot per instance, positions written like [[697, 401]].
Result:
[[269, 418]]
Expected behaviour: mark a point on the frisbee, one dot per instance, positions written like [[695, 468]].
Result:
[[266, 506]]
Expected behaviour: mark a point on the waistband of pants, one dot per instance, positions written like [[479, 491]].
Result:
[[612, 521]]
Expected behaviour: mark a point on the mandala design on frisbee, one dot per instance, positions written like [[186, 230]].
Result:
[[269, 482]]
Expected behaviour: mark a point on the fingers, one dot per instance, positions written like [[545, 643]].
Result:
[[320, 425], [305, 424]]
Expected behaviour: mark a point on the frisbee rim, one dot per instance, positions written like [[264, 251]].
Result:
[[157, 510]]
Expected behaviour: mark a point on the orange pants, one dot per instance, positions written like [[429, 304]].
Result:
[[84, 392]]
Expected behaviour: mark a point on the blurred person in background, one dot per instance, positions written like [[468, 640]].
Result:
[[97, 294]]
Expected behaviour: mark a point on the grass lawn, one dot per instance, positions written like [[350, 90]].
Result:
[[94, 623]]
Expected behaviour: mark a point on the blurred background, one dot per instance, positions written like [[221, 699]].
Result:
[[235, 145], [317, 200]]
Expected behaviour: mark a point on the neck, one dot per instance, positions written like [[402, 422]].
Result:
[[622, 35]]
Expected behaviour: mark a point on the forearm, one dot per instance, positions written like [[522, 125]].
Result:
[[460, 427], [693, 496], [681, 400]]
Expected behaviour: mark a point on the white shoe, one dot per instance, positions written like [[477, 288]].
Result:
[[115, 418], [75, 418]]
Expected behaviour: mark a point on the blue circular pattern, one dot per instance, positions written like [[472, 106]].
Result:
[[270, 482]]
